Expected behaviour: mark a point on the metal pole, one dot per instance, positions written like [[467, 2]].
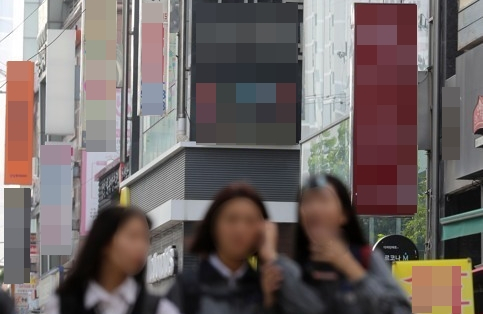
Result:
[[435, 149], [135, 125], [181, 110], [428, 207], [125, 81], [372, 235]]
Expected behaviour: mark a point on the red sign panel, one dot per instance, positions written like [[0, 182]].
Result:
[[385, 109], [478, 117], [19, 123]]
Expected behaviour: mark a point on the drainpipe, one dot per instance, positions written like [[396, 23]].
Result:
[[181, 105], [436, 138], [125, 72]]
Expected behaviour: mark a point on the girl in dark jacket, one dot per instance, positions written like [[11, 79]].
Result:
[[109, 274], [234, 228], [335, 259]]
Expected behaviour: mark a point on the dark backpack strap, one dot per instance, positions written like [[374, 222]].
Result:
[[70, 304], [191, 292], [366, 252]]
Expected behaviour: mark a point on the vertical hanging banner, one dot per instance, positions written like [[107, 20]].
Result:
[[60, 86], [154, 25], [100, 75], [437, 286], [19, 123], [56, 200], [385, 109], [17, 206]]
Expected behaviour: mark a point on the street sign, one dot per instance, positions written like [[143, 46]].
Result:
[[397, 248]]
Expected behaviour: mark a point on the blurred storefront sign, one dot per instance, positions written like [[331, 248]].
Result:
[[48, 283], [397, 248], [417, 276], [478, 122], [23, 295], [162, 266]]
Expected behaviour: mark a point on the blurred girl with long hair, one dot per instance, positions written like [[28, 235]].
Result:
[[235, 228], [336, 261], [109, 274]]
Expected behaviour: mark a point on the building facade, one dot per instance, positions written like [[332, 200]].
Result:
[[178, 177], [462, 217]]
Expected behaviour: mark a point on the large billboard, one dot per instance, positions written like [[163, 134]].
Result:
[[245, 72], [385, 110]]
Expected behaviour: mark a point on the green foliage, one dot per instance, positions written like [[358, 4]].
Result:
[[330, 154], [415, 228]]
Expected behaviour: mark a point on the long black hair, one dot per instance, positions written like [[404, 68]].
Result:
[[204, 242], [87, 265], [352, 229]]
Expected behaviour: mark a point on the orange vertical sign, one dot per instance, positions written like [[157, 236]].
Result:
[[19, 123]]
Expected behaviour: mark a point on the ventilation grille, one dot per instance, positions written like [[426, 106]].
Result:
[[164, 183], [275, 173]]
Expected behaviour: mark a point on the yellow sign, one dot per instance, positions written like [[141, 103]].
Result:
[[125, 196], [33, 279], [437, 286]]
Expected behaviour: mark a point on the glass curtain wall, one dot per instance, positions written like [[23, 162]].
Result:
[[159, 132], [326, 132]]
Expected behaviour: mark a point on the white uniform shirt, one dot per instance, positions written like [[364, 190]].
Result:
[[226, 272], [117, 302]]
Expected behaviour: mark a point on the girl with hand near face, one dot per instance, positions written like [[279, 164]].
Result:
[[336, 261], [235, 228]]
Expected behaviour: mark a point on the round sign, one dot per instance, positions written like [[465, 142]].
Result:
[[397, 248]]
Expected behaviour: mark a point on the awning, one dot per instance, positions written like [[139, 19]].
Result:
[[461, 225]]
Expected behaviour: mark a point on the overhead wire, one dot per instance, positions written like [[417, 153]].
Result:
[[41, 50], [23, 22]]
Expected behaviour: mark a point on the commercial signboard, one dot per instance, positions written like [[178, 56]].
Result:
[[23, 295], [154, 27], [478, 117], [19, 123], [449, 282], [92, 163], [48, 283], [163, 265], [478, 122], [385, 110], [397, 248]]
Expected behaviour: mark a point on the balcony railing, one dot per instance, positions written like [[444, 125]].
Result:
[[108, 179]]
